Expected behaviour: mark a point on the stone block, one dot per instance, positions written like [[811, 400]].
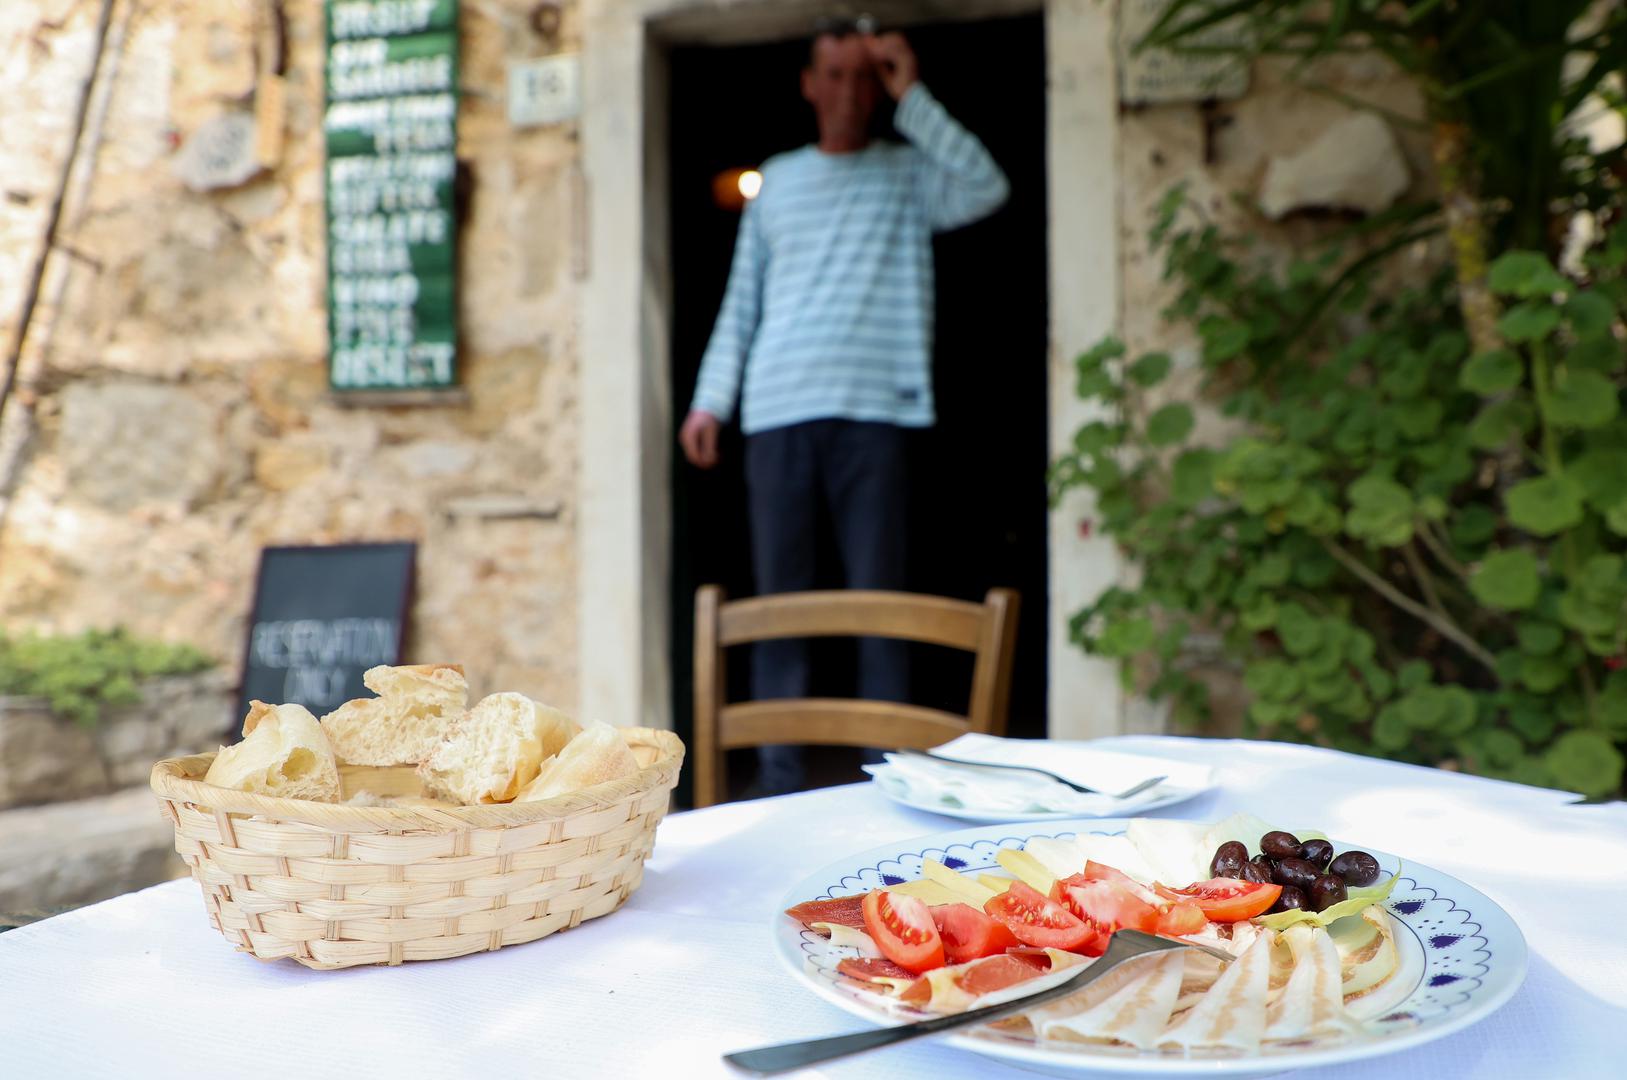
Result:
[[1356, 164], [283, 466], [44, 758], [125, 442], [86, 850]]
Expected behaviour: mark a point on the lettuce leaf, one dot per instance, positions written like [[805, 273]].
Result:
[[1355, 900]]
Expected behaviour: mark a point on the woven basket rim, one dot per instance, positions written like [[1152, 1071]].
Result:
[[172, 779]]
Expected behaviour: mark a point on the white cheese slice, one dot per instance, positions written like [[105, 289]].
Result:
[[1232, 1013], [1312, 1005], [1134, 1010], [850, 938], [1172, 850]]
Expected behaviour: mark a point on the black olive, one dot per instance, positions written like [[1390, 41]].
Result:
[[1290, 899], [1228, 861], [1281, 845], [1326, 891], [1253, 871], [1318, 852], [1356, 867], [1296, 872]]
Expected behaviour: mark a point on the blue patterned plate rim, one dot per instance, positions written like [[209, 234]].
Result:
[[1473, 958]]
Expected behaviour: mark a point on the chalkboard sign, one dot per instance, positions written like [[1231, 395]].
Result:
[[322, 616], [391, 124]]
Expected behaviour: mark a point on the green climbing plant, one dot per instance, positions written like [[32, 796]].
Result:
[[79, 675], [1406, 547]]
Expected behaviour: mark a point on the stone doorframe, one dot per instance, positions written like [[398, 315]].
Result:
[[627, 412]]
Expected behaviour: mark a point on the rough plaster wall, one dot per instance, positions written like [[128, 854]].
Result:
[[183, 416]]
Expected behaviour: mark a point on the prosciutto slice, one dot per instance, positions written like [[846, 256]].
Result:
[[842, 910]]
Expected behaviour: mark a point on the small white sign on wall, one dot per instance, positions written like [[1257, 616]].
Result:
[[1155, 76], [545, 91]]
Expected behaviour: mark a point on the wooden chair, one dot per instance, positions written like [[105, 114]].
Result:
[[988, 629]]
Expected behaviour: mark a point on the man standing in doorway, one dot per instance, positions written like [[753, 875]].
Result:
[[825, 335]]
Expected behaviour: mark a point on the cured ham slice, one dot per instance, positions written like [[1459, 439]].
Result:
[[874, 969], [1130, 1004], [1232, 1012], [1312, 1005], [842, 910]]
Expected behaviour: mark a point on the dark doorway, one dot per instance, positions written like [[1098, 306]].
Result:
[[978, 500]]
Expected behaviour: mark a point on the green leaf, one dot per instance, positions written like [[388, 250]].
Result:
[[1615, 519], [1096, 357], [1499, 422], [1525, 274], [1192, 476], [1582, 399], [1602, 475], [1602, 354], [1222, 339], [1585, 762], [1150, 369], [1501, 748], [1413, 674], [1590, 315], [1530, 321], [1543, 674], [1422, 708], [1507, 579], [1492, 372], [1544, 505], [1169, 424], [1417, 419], [1273, 680], [1533, 719], [1381, 511], [1476, 523], [1611, 707], [1301, 632], [1095, 437], [1539, 638], [1390, 731]]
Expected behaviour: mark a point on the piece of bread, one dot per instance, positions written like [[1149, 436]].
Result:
[[495, 750], [283, 753], [416, 709], [598, 754]]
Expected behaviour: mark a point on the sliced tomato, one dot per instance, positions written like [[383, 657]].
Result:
[[1039, 921], [969, 934], [843, 910], [1178, 920], [1224, 899], [999, 972], [1095, 871], [1106, 905], [902, 928]]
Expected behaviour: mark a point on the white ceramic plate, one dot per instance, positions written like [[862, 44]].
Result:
[[1156, 798], [1461, 957]]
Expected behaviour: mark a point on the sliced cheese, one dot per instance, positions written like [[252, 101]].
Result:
[[1133, 1010], [1312, 1005], [848, 937], [1172, 850], [927, 891], [1026, 868], [1232, 1012], [965, 889]]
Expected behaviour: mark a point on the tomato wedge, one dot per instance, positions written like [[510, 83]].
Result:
[[1104, 904], [1178, 920], [1095, 871], [1224, 899], [1037, 920], [902, 928], [969, 934]]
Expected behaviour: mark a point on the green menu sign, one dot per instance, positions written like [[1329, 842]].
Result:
[[391, 123]]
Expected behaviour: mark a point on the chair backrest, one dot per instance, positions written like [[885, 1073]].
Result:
[[988, 630]]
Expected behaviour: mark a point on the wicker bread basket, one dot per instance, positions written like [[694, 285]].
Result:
[[335, 886]]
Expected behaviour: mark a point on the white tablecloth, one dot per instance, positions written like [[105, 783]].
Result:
[[141, 986]]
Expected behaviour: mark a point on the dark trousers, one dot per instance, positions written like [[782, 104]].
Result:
[[855, 472]]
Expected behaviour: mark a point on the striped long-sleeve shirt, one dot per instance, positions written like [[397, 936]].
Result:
[[828, 310]]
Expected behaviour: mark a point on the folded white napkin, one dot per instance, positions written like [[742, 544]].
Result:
[[934, 783]]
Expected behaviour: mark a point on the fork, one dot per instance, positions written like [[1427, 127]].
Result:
[[1136, 789], [784, 1057]]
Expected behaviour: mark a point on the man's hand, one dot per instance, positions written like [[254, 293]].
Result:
[[894, 61], [699, 438]]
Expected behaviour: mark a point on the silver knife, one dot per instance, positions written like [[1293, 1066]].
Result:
[[1125, 945]]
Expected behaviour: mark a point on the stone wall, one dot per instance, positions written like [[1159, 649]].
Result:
[[45, 758], [174, 400]]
